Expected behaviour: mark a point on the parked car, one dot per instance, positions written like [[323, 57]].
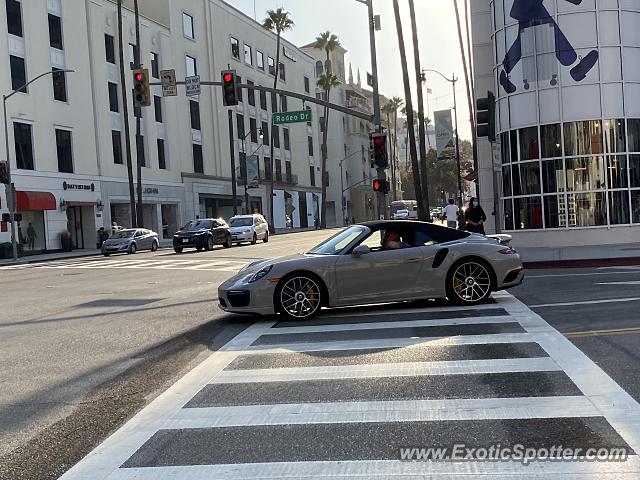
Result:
[[202, 234], [130, 240], [375, 262], [249, 228]]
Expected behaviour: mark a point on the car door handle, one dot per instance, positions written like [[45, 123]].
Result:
[[413, 260]]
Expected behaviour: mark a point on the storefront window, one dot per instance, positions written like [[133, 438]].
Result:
[[633, 132], [506, 181], [582, 138], [587, 209], [551, 140], [31, 232], [635, 205], [508, 215], [555, 211], [529, 143], [504, 147], [614, 136], [634, 171], [617, 171], [513, 145], [527, 213], [619, 207], [526, 178], [585, 173], [552, 176]]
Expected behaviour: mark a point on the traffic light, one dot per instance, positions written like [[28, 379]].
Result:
[[4, 177], [380, 185], [486, 117], [378, 149], [229, 88], [141, 91]]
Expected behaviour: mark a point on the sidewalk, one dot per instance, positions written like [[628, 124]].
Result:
[[580, 255], [46, 257]]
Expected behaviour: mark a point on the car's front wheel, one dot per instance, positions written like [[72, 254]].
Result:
[[154, 246], [299, 296], [266, 237], [209, 244], [132, 249], [469, 282], [177, 249], [228, 243]]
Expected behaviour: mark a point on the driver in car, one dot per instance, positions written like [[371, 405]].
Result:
[[392, 241]]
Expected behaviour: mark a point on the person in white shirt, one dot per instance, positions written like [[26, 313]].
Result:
[[451, 212]]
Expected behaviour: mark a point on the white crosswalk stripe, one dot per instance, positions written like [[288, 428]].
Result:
[[310, 402]]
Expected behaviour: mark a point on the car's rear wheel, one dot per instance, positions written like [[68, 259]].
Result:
[[106, 254], [154, 246], [299, 296], [469, 281], [132, 249], [254, 240], [209, 244], [266, 237], [228, 243], [178, 249]]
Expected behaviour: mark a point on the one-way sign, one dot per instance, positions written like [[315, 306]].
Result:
[[192, 85], [168, 78]]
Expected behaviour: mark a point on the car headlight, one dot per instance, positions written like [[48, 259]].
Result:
[[260, 274]]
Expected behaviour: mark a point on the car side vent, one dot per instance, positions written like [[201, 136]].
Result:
[[439, 258]]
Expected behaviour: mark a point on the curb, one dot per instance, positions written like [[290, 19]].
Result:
[[584, 263]]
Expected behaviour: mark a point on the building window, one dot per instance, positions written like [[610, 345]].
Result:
[[260, 60], [24, 145], [283, 103], [310, 144], [192, 67], [276, 136], [113, 98], [589, 209], [278, 170], [162, 162], [263, 100], [306, 85], [287, 172], [55, 31], [528, 213], [140, 150], [251, 94], [187, 26], [239, 95], [133, 52], [634, 171], [265, 133], [240, 125], [198, 164], [14, 18], [157, 106], [64, 149], [18, 73], [253, 130], [248, 55], [619, 207], [633, 132], [116, 144], [552, 177], [529, 143], [109, 49], [267, 168], [312, 175], [526, 178], [235, 48], [614, 136], [319, 68], [155, 65], [586, 173], [59, 85], [617, 169], [271, 64], [285, 134], [194, 110], [583, 138], [282, 73], [550, 136]]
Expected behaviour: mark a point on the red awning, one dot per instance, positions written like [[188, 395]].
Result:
[[29, 201]]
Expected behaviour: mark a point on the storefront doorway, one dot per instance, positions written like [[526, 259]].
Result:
[[82, 226]]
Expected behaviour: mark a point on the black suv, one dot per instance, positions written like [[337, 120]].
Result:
[[202, 234]]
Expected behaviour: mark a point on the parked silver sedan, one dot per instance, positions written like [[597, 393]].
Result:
[[130, 240], [375, 262]]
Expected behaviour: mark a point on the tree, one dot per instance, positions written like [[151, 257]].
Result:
[[125, 112], [421, 130], [277, 21], [328, 42], [391, 110], [326, 81], [409, 112]]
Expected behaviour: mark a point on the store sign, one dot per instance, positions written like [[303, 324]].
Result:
[[78, 186], [150, 190], [444, 134]]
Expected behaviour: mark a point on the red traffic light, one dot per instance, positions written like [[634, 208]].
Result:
[[227, 77], [139, 77], [378, 141], [380, 185]]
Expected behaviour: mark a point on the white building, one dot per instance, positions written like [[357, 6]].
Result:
[[67, 137], [567, 83]]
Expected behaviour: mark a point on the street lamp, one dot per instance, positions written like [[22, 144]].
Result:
[[9, 189], [244, 154], [452, 81]]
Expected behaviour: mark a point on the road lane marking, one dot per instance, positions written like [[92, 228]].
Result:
[[609, 331], [633, 282], [586, 302], [551, 275]]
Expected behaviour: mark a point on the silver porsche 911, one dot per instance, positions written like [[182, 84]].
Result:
[[375, 262]]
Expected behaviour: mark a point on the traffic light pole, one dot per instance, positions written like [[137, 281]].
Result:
[[455, 111], [234, 188]]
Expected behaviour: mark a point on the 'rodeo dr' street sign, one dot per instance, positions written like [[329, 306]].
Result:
[[282, 118]]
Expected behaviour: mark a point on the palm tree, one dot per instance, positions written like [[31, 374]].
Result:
[[421, 129], [328, 42], [409, 112], [277, 21], [326, 81], [125, 112], [391, 109]]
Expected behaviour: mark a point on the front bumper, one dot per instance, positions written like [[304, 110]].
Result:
[[237, 295], [114, 248], [189, 242], [242, 237]]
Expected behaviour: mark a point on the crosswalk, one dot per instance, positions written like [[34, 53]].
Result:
[[348, 395], [127, 262]]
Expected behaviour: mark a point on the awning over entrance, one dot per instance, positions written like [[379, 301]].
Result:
[[35, 201]]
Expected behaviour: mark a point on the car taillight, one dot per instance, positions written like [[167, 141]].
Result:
[[507, 251]]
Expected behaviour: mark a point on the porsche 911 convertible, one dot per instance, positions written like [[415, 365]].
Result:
[[375, 262]]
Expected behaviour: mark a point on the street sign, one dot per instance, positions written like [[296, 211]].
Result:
[[301, 116], [192, 85], [169, 87]]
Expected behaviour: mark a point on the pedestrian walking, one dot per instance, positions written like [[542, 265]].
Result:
[[475, 217], [31, 236], [451, 213]]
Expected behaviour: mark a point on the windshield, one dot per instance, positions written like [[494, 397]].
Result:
[[123, 234], [197, 225], [241, 222], [339, 241]]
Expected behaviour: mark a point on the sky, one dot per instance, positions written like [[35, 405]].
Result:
[[437, 35]]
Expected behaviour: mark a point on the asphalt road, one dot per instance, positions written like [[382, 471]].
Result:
[[84, 343]]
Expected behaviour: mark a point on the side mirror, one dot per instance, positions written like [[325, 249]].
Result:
[[360, 250]]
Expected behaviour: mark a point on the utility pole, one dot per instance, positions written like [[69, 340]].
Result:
[[455, 111], [139, 212]]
